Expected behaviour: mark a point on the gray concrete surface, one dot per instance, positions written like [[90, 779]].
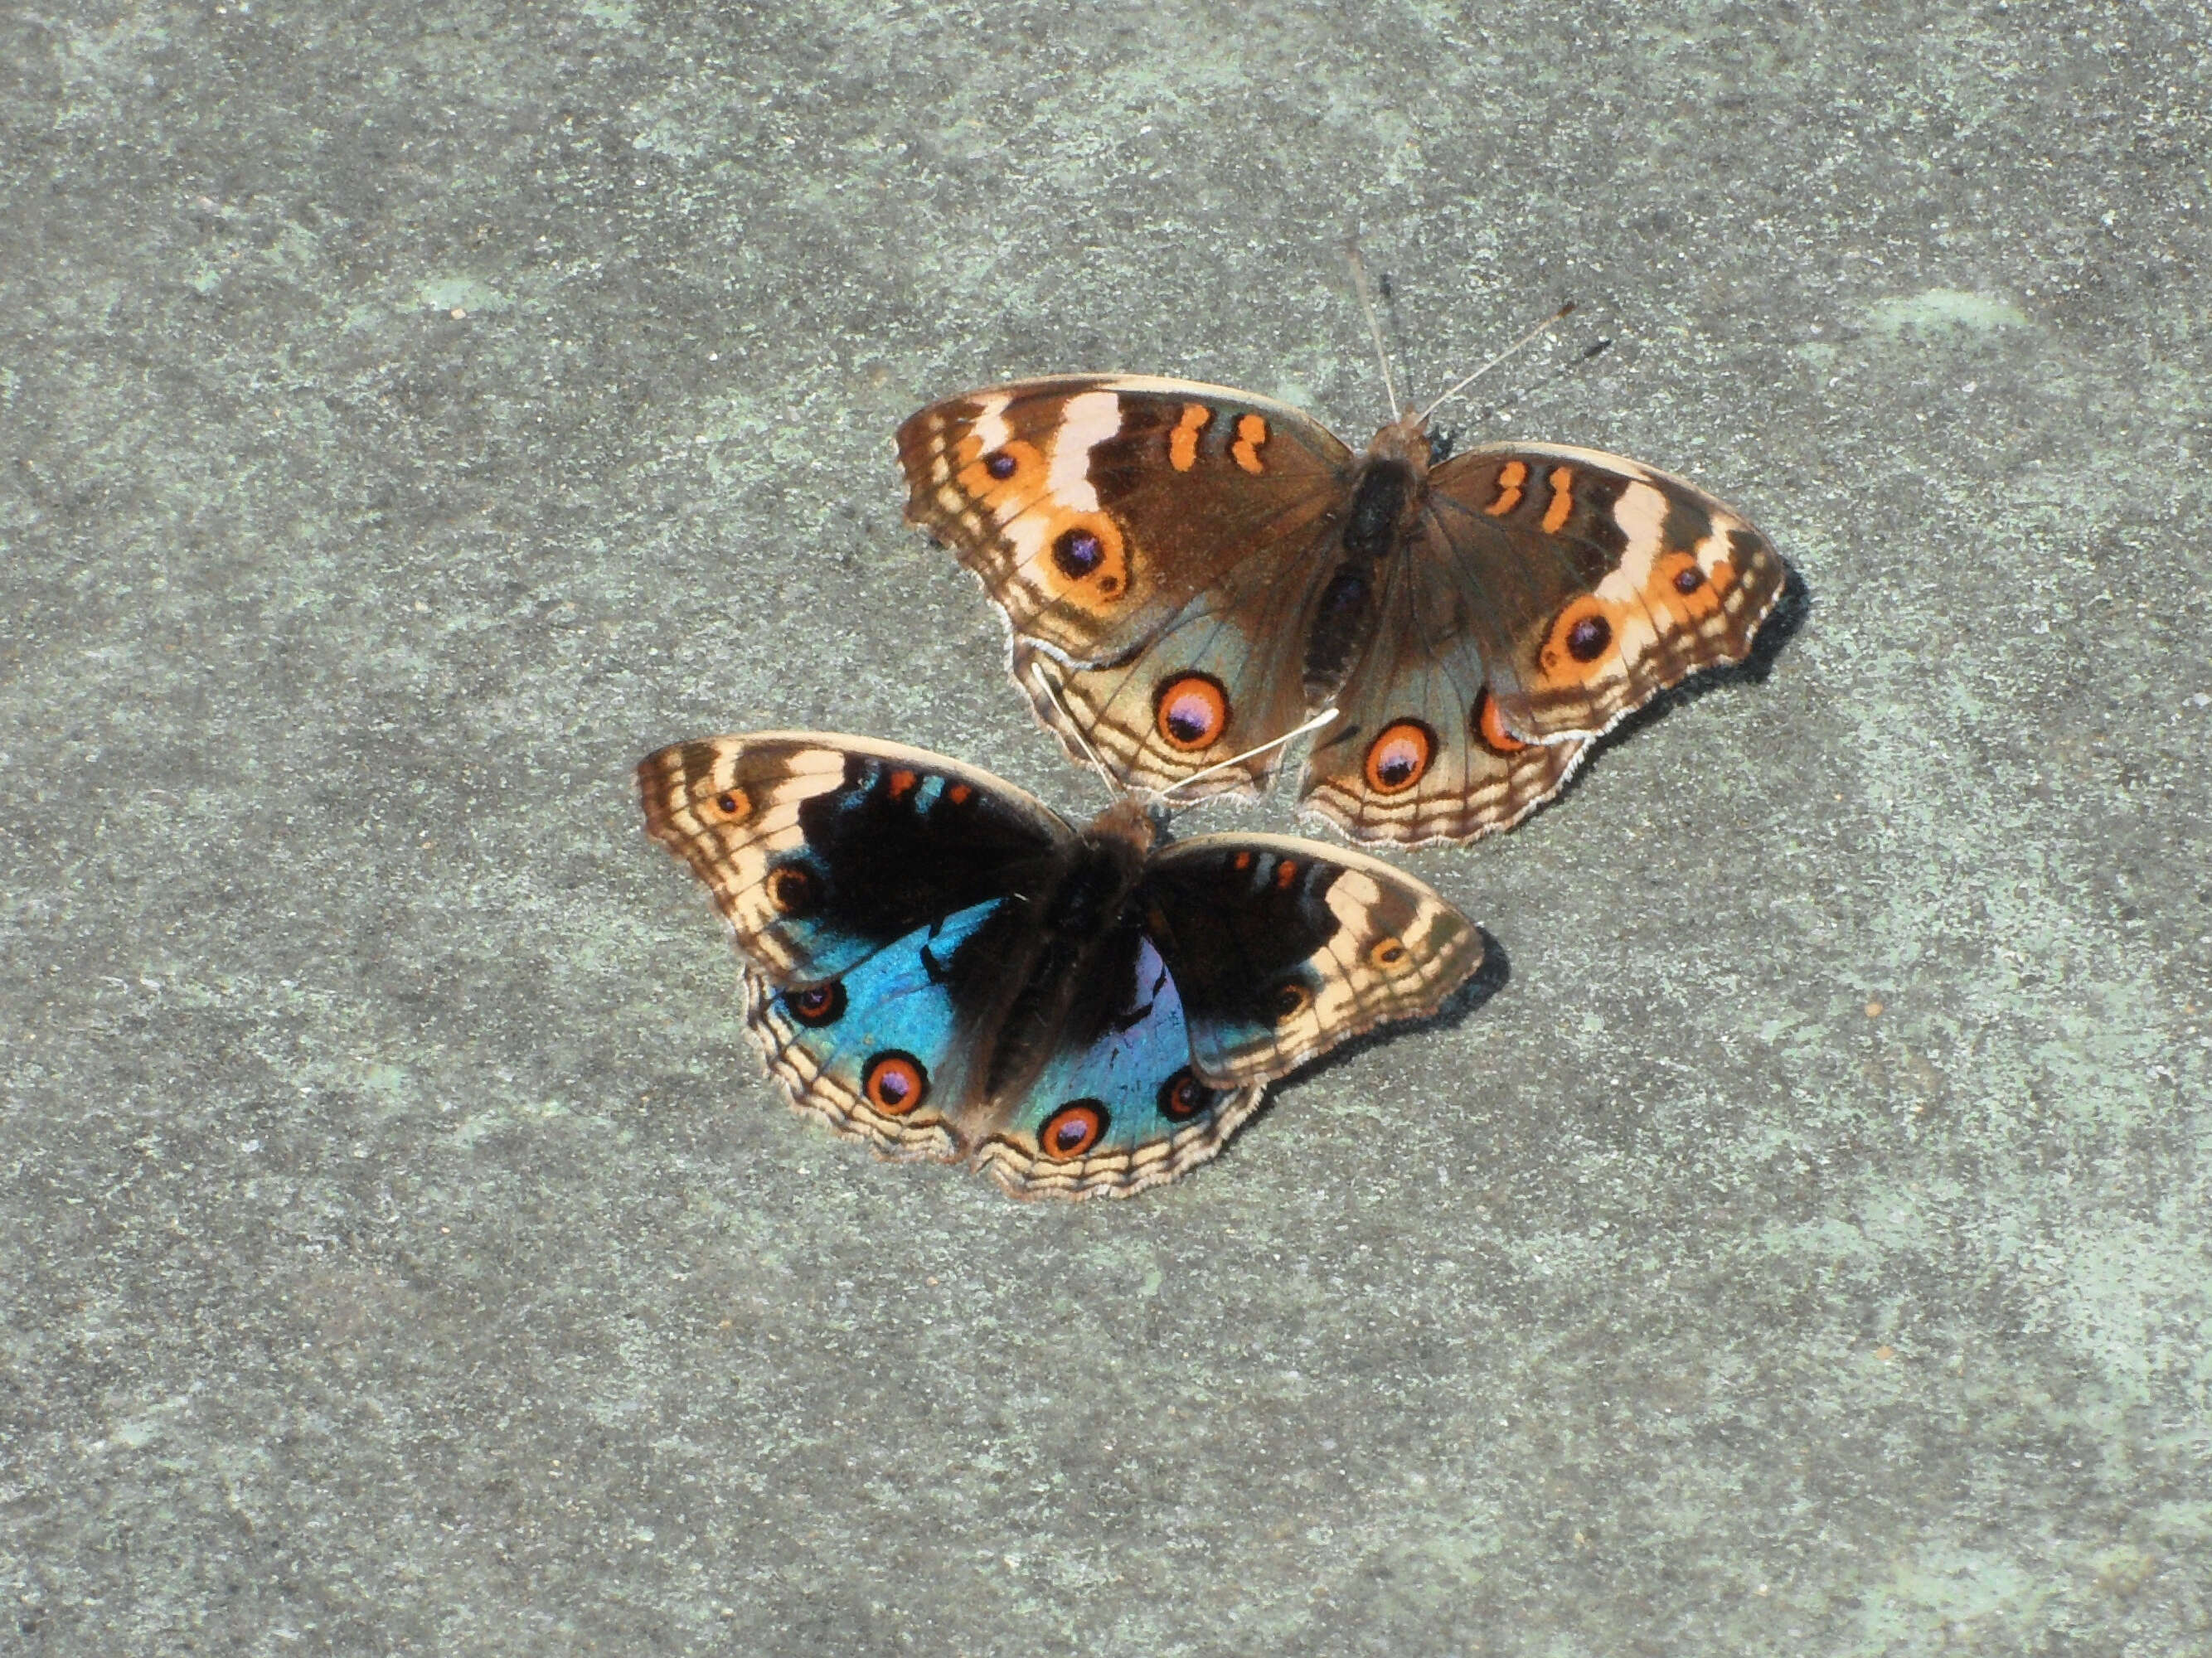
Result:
[[414, 414]]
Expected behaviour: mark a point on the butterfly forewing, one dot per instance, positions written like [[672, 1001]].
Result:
[[1095, 507], [1282, 948], [820, 853]]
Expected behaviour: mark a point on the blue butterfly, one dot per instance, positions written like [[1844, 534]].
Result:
[[939, 964]]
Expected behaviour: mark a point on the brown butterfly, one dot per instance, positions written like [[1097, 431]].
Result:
[[1189, 572]]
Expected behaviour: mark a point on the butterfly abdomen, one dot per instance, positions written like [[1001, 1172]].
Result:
[[1081, 918], [1383, 502]]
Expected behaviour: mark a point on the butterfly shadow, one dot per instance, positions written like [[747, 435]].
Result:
[[1792, 606]]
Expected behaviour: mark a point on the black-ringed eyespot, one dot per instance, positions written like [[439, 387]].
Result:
[[1389, 953], [1191, 711], [1399, 756], [817, 1005], [1182, 1097], [1072, 1130], [794, 891], [894, 1082]]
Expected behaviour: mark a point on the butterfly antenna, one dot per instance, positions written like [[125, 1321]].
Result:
[[1374, 328], [1314, 723], [1052, 692], [1552, 321]]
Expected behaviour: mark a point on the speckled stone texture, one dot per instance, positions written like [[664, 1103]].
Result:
[[414, 414]]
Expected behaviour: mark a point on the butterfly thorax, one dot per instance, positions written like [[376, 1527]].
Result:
[[1128, 823], [1407, 440], [1388, 494]]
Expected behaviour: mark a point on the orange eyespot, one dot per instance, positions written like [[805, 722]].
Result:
[[1490, 730], [1287, 1000], [999, 475], [733, 805], [1399, 756], [816, 1007], [1072, 1130], [1581, 638], [1679, 585], [1388, 953], [1191, 711], [1182, 1097], [895, 1083], [1087, 552]]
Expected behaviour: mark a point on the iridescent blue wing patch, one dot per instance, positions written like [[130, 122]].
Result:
[[876, 1053], [1117, 1107]]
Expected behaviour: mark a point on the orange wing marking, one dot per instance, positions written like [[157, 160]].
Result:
[[1680, 586], [1398, 757], [1491, 730], [1183, 442], [1511, 478], [1582, 641], [1251, 433], [1563, 500]]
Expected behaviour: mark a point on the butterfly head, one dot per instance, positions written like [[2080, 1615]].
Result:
[[1128, 825], [1404, 440]]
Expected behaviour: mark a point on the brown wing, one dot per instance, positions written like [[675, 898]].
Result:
[[1222, 678], [1417, 753], [1094, 508], [1591, 583]]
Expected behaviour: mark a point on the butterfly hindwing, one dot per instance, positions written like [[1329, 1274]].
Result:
[[1282, 948], [1094, 508], [1590, 582], [874, 1054], [1220, 680], [1417, 753], [821, 851], [1117, 1105]]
